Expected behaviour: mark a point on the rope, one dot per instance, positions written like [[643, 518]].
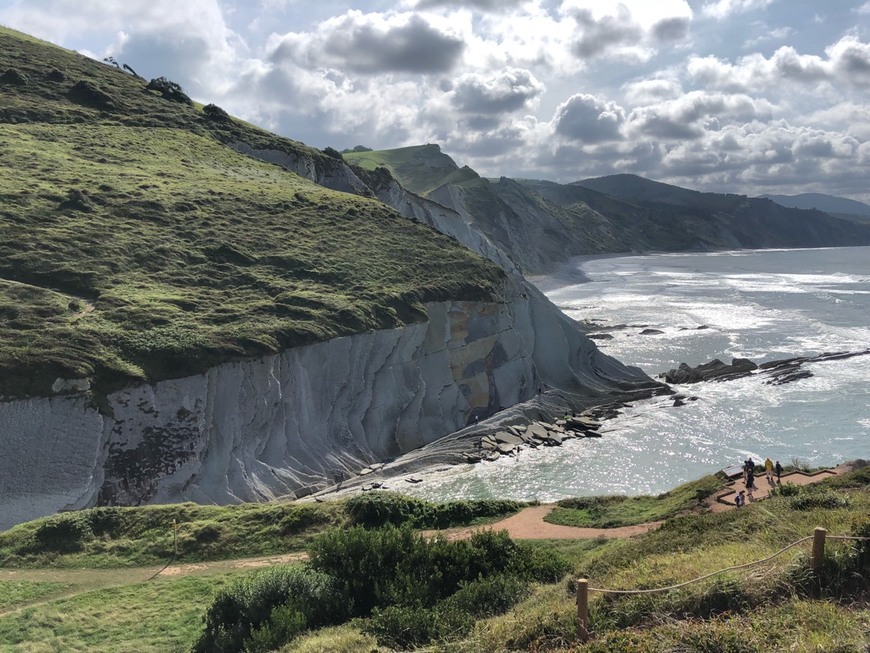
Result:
[[721, 571], [695, 580], [162, 570]]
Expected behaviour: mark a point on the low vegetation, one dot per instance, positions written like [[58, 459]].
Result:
[[387, 588], [615, 511], [117, 537], [135, 245]]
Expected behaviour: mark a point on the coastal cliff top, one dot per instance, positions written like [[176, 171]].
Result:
[[135, 245]]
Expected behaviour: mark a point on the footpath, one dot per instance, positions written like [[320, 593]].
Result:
[[527, 524]]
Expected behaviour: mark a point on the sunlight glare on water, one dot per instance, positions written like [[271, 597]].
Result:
[[763, 305]]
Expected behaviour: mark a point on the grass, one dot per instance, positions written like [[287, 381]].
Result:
[[136, 246], [14, 592], [113, 537], [159, 616], [420, 169], [615, 511], [769, 608]]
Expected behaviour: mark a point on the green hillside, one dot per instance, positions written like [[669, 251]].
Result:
[[135, 245], [369, 586], [419, 168]]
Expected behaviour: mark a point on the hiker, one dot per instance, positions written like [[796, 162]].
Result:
[[740, 499], [778, 469], [745, 470], [768, 470], [750, 485]]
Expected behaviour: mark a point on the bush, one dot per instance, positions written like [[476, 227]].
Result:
[[332, 152], [376, 509], [486, 597], [13, 77], [215, 113], [90, 95], [404, 627], [64, 533], [812, 499], [269, 603], [169, 90]]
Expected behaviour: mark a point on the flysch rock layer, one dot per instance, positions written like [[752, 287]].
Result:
[[291, 423]]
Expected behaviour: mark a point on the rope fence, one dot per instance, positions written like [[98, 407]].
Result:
[[818, 537]]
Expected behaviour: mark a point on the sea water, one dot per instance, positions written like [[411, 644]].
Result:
[[759, 304]]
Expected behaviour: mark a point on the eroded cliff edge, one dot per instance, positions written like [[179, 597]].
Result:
[[287, 424]]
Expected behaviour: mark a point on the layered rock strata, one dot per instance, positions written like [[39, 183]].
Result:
[[291, 423]]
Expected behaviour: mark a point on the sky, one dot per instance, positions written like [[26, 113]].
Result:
[[743, 96]]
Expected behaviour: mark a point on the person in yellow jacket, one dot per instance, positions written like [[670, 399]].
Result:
[[768, 470]]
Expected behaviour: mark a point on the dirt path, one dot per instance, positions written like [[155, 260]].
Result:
[[529, 524], [724, 500]]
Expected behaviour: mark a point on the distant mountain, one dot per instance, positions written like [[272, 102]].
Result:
[[540, 224], [841, 206]]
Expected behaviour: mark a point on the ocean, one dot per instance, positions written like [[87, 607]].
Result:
[[758, 304]]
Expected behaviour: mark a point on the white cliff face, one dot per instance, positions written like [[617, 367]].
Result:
[[258, 429]]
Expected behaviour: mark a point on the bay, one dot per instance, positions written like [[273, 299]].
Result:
[[758, 304]]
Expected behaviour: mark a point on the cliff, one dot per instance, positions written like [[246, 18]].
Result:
[[288, 424]]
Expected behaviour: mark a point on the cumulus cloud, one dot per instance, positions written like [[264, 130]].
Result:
[[671, 29], [847, 61], [587, 119], [372, 44], [649, 91], [628, 30], [722, 9], [480, 5], [608, 34], [690, 116], [509, 90]]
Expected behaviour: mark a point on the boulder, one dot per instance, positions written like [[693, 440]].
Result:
[[715, 369], [503, 437]]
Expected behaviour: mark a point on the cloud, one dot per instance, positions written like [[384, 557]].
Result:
[[587, 119], [509, 90], [847, 61], [692, 115], [495, 6], [671, 29], [628, 30], [371, 44], [722, 9], [605, 35], [650, 91]]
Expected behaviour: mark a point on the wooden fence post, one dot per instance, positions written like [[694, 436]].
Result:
[[583, 610], [819, 548]]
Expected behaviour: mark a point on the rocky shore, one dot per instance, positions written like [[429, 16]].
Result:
[[778, 372]]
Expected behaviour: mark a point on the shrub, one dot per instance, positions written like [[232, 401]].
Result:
[[215, 113], [486, 597], [404, 627], [169, 90], [90, 95], [252, 604], [376, 509], [332, 152], [13, 77], [810, 500], [64, 533]]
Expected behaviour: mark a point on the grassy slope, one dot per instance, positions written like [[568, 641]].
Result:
[[135, 245], [615, 511], [419, 168], [114, 537], [768, 608]]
